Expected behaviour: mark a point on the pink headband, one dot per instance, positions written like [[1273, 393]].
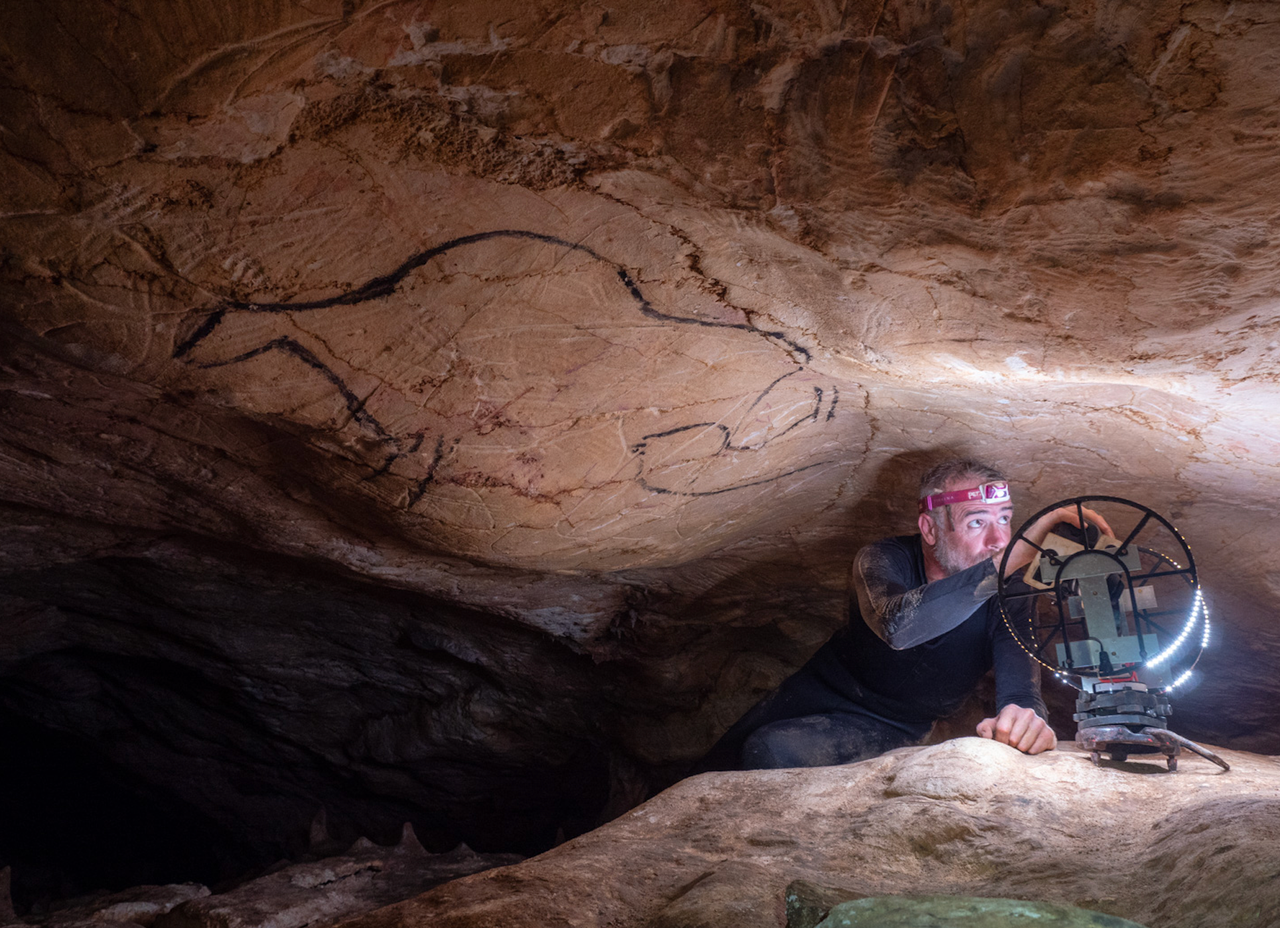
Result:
[[997, 492]]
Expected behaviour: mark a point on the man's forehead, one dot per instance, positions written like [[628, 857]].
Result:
[[976, 508], [967, 482]]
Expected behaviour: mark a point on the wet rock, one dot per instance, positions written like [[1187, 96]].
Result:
[[808, 904], [964, 912]]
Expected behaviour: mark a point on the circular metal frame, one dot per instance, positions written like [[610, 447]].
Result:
[[1036, 639]]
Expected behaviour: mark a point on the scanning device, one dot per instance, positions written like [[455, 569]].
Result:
[[1120, 618]]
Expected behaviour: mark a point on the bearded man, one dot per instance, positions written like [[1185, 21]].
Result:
[[924, 627]]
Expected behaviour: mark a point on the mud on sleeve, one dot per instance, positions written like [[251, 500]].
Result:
[[902, 616]]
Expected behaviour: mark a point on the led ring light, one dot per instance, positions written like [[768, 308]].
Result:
[[1114, 617]]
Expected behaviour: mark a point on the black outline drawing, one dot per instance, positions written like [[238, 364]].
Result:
[[726, 439], [386, 285]]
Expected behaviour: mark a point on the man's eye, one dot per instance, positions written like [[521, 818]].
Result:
[[976, 523], [1004, 520]]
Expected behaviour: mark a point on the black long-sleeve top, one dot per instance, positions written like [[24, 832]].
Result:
[[913, 651]]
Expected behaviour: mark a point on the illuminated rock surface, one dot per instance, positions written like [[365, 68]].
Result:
[[460, 412], [1193, 848]]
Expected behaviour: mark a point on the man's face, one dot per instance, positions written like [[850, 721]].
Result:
[[973, 532]]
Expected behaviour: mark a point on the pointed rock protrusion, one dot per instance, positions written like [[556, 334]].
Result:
[[320, 837], [409, 843], [7, 914]]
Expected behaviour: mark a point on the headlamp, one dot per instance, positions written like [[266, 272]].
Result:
[[994, 492]]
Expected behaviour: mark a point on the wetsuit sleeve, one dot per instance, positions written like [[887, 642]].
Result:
[[1017, 673], [904, 615]]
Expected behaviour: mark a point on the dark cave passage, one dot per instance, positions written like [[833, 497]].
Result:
[[187, 722], [74, 823]]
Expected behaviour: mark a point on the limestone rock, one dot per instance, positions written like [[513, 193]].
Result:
[[139, 905], [7, 914], [315, 893], [1192, 848], [966, 769], [462, 412], [332, 889]]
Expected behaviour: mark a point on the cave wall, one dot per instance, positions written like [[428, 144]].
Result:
[[460, 412]]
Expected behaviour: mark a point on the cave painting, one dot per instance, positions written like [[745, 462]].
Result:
[[515, 359]]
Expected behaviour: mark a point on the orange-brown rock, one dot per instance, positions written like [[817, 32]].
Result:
[[968, 817], [407, 404]]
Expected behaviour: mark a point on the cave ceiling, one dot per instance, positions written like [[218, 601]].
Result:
[[440, 381]]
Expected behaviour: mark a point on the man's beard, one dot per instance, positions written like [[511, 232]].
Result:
[[952, 559]]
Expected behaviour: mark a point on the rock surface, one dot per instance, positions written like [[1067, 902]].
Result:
[[332, 889], [315, 893], [462, 412], [138, 905], [1191, 849], [964, 912]]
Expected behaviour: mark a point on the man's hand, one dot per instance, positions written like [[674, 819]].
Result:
[[1020, 728], [1023, 553]]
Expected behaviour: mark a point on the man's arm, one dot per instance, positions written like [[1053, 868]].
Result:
[[903, 615], [1021, 720]]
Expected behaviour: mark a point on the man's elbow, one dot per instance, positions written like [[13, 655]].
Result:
[[898, 638]]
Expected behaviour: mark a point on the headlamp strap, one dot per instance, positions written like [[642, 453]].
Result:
[[996, 492]]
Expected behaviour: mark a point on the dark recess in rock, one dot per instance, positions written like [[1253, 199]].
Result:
[[169, 722], [74, 822]]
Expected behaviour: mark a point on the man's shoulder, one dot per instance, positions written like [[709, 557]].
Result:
[[896, 554], [909, 544]]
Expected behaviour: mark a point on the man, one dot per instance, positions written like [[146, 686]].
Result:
[[924, 627]]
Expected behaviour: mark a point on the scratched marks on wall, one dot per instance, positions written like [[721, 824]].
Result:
[[509, 356]]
